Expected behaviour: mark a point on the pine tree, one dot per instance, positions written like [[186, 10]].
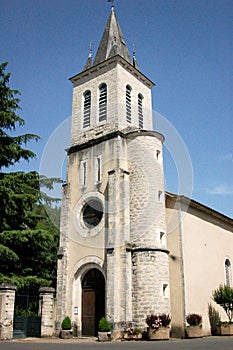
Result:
[[11, 146], [28, 238]]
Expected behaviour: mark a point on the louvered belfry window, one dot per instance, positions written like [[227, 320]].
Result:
[[102, 102], [87, 109], [128, 104], [140, 111]]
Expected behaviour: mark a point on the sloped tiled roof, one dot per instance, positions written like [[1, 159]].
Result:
[[112, 42]]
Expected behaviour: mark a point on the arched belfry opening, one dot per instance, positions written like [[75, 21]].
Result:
[[93, 301]]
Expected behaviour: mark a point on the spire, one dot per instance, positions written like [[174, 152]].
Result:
[[89, 60], [134, 59], [112, 42]]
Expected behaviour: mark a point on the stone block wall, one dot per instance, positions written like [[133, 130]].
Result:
[[47, 311], [116, 77], [150, 280], [150, 266], [147, 204], [7, 302]]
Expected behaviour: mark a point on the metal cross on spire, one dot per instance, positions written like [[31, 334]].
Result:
[[112, 1]]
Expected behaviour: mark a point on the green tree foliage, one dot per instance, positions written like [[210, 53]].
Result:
[[28, 238], [19, 192], [11, 146], [223, 296]]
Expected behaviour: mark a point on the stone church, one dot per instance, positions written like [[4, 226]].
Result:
[[126, 249]]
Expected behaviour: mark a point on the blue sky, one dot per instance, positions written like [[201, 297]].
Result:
[[184, 46]]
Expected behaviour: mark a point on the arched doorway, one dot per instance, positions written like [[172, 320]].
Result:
[[93, 301]]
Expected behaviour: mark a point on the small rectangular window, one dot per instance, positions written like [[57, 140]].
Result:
[[160, 196], [165, 290], [158, 155], [162, 237], [83, 173], [98, 176]]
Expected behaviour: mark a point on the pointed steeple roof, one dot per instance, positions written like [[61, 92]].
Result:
[[112, 42]]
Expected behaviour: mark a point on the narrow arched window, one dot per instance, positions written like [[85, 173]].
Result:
[[128, 103], [140, 111], [102, 102], [228, 272], [87, 109]]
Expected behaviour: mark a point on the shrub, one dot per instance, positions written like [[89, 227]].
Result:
[[66, 324], [133, 330], [223, 296], [137, 330], [104, 325], [194, 319], [159, 320]]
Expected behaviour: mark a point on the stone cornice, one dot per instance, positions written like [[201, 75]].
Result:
[[126, 133], [113, 60], [148, 249]]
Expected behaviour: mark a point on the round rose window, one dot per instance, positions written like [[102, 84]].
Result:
[[92, 213]]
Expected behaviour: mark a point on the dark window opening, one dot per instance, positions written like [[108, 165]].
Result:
[[87, 109], [128, 104], [140, 111], [103, 102]]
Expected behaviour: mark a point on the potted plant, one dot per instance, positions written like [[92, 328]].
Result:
[[223, 296], [66, 327], [194, 329], [132, 333], [104, 330], [158, 326]]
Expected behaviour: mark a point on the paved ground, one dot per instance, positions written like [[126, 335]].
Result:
[[208, 343]]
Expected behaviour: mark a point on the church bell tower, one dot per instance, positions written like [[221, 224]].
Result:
[[112, 259]]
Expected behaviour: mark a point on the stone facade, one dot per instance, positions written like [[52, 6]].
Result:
[[116, 166], [122, 234]]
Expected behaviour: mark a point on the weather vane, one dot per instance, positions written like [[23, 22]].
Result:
[[112, 1]]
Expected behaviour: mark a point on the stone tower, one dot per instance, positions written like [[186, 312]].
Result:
[[112, 259]]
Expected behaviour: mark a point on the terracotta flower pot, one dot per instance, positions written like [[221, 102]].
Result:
[[161, 333], [225, 329], [194, 331], [128, 336]]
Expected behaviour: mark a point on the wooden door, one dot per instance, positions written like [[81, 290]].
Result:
[[88, 311]]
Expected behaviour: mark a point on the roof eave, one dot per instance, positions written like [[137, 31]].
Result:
[[117, 59], [197, 205]]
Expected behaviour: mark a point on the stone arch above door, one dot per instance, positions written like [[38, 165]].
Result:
[[83, 265], [78, 272]]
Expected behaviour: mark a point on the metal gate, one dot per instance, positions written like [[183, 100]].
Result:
[[27, 322]]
